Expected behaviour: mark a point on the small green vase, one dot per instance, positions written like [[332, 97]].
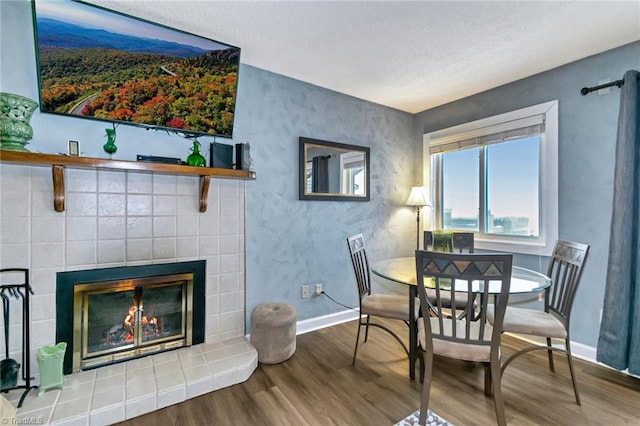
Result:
[[15, 113], [195, 158], [110, 147]]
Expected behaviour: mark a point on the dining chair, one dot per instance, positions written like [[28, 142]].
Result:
[[376, 305], [469, 337], [565, 270]]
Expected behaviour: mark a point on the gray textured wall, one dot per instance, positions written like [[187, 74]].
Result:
[[291, 243], [586, 158]]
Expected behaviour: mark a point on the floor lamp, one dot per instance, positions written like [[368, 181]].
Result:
[[417, 198]]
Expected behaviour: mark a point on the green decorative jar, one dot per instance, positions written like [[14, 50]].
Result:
[[195, 158], [15, 113]]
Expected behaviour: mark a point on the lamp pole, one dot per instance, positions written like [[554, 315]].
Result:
[[417, 198], [417, 227]]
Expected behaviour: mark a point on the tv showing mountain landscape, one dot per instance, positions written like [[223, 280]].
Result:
[[100, 64]]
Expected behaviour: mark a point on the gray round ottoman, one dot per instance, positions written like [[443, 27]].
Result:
[[273, 332]]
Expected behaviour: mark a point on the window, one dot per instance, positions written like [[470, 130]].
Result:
[[498, 178], [353, 173]]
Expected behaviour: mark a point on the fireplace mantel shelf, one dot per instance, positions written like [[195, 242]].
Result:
[[58, 163]]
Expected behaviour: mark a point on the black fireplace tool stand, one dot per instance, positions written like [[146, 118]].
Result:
[[16, 293]]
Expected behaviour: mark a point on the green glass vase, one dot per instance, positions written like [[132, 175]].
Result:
[[195, 158], [110, 147]]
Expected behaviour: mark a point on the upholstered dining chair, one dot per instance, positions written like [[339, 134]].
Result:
[[468, 337], [375, 305], [565, 270]]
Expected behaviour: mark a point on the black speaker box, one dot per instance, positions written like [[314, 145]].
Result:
[[221, 155], [243, 156]]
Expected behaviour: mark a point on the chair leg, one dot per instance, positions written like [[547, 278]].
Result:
[[427, 368], [550, 354], [487, 380], [357, 339], [567, 351], [573, 375], [497, 392], [366, 331]]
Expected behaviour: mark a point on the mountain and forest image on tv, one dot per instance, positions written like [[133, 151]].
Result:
[[100, 64]]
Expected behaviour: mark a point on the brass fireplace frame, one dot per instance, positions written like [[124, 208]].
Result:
[[81, 293]]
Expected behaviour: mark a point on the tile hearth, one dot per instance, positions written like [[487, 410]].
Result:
[[122, 391]]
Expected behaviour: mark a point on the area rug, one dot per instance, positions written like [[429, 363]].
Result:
[[432, 420]]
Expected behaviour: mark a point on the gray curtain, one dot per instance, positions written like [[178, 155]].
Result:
[[619, 341], [320, 174]]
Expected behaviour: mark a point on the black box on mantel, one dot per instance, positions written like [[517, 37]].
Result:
[[221, 155], [243, 157]]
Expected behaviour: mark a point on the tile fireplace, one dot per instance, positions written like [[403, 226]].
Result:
[[116, 219], [110, 315]]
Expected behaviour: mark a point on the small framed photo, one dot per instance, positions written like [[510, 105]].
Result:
[[73, 148]]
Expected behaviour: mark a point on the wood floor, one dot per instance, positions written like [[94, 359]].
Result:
[[319, 386]]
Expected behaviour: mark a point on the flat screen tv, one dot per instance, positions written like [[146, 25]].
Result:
[[99, 64]]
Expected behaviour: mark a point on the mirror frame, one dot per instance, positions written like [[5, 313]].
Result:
[[317, 196]]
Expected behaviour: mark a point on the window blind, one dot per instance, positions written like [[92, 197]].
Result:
[[503, 132]]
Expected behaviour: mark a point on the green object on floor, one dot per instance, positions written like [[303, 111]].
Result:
[[50, 359]]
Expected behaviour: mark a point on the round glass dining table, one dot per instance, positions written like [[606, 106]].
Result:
[[402, 270]]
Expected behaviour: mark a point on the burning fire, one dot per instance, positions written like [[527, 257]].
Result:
[[121, 333]]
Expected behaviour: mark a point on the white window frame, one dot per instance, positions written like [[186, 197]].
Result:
[[548, 172], [345, 181]]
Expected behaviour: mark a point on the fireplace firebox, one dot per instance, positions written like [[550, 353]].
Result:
[[115, 314]]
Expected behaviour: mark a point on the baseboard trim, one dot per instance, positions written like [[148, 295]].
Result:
[[313, 324], [578, 350]]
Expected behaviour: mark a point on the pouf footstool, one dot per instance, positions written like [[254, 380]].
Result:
[[273, 332]]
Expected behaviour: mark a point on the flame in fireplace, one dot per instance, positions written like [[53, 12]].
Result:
[[125, 332]]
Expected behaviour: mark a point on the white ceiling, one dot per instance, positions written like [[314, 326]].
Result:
[[410, 56]]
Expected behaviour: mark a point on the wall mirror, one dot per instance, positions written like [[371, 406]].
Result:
[[333, 171]]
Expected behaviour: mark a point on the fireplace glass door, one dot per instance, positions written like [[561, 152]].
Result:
[[126, 319]]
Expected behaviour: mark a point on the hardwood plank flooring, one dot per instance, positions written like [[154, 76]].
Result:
[[319, 386]]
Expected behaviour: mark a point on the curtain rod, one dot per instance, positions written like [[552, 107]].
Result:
[[586, 90]]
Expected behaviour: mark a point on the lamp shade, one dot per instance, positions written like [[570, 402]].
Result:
[[417, 197]]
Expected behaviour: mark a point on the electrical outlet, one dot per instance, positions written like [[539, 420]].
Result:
[[540, 297], [318, 289], [305, 291]]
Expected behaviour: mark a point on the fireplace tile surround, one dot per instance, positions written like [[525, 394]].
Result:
[[125, 218], [123, 391]]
